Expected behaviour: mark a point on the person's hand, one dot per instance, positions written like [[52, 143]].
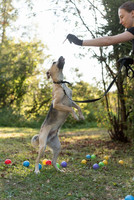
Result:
[[126, 60], [74, 39]]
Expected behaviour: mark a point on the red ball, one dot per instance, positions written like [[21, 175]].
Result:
[[8, 161], [48, 162]]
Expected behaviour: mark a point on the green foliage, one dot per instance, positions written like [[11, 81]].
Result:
[[38, 98], [18, 62], [8, 15], [84, 91], [13, 118]]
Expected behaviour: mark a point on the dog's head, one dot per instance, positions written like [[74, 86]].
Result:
[[55, 71]]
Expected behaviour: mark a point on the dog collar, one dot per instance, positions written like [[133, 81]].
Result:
[[59, 82]]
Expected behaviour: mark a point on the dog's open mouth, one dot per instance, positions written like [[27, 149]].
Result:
[[61, 62]]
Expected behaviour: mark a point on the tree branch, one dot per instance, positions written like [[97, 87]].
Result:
[[78, 12]]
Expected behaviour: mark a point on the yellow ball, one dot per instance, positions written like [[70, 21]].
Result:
[[83, 161], [121, 162], [44, 161], [105, 162], [106, 157]]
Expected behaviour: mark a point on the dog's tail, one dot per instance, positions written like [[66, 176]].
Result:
[[35, 141]]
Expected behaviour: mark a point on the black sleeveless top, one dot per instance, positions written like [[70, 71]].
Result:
[[131, 30]]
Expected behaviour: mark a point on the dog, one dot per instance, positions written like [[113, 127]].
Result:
[[60, 108]]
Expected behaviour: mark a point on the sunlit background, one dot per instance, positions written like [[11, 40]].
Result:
[[52, 31]]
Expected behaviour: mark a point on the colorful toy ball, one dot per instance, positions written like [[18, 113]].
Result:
[[26, 163], [101, 164], [84, 161], [105, 162], [121, 162], [106, 157], [88, 156], [58, 165], [8, 161], [93, 156], [95, 166], [44, 162], [64, 164], [48, 162], [40, 166], [129, 197]]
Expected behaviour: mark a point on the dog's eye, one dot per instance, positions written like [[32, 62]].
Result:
[[54, 63]]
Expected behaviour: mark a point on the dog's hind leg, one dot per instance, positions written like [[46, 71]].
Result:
[[55, 145], [41, 150], [42, 146]]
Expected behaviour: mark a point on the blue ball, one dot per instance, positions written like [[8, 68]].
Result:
[[26, 163], [64, 164], [95, 166], [88, 156], [40, 166], [129, 197]]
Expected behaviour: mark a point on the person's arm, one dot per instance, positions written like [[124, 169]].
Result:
[[109, 40], [102, 41]]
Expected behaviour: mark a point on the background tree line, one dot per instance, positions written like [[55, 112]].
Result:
[[25, 96]]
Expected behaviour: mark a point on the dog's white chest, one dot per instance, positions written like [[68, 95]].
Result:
[[67, 90]]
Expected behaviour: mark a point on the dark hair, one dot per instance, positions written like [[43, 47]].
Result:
[[128, 6]]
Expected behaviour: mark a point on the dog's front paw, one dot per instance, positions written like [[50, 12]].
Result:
[[82, 117], [75, 116]]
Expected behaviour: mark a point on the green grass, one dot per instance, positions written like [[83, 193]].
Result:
[[79, 182]]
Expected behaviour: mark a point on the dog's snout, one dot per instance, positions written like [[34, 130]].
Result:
[[61, 62], [61, 58]]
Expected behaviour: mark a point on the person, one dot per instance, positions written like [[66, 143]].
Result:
[[126, 16]]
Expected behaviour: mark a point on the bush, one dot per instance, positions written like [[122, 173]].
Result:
[[10, 119]]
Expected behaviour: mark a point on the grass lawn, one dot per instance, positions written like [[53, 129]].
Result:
[[80, 181]]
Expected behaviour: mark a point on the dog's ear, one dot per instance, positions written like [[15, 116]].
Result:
[[48, 74]]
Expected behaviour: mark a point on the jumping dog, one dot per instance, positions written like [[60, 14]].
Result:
[[60, 108]]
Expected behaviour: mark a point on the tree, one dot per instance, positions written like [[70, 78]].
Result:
[[119, 119], [18, 62], [38, 98], [8, 14]]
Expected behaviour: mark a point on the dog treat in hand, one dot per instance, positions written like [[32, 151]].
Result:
[[74, 39]]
